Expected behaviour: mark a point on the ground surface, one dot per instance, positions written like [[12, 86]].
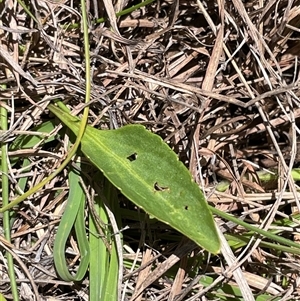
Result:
[[217, 80]]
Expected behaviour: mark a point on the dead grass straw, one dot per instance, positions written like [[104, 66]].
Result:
[[218, 80]]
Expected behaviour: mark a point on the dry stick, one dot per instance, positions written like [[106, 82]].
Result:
[[181, 251], [274, 123], [234, 131], [286, 169], [177, 284], [238, 4], [207, 289], [268, 128], [187, 289], [234, 267], [24, 268], [256, 36], [141, 267], [144, 273], [203, 93], [109, 8], [44, 281], [98, 222], [207, 85], [17, 69], [242, 260], [294, 151], [266, 9]]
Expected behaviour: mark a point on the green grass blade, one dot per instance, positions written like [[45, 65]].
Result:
[[225, 291], [83, 123], [111, 289], [99, 255], [22, 182], [5, 202], [29, 141], [126, 11], [104, 264], [268, 234], [2, 298], [123, 12], [99, 258], [264, 177], [73, 215]]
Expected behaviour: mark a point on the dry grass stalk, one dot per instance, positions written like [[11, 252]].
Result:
[[218, 80]]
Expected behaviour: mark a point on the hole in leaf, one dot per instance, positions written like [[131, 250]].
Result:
[[186, 207], [158, 187], [132, 157]]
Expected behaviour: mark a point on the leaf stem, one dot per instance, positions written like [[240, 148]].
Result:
[[5, 201]]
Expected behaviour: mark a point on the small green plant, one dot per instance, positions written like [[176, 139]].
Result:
[[149, 173], [146, 170], [138, 163]]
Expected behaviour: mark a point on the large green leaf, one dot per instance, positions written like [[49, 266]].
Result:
[[149, 173]]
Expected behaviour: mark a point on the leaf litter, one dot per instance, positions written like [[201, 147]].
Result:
[[217, 80]]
